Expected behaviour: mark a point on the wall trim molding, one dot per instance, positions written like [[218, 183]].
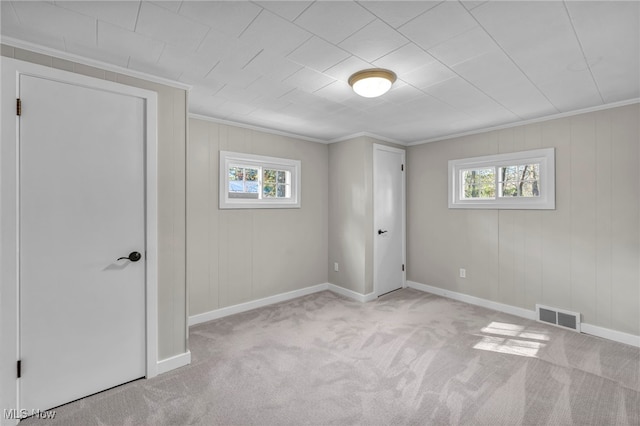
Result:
[[174, 362], [282, 297], [256, 128], [606, 333], [247, 306], [368, 135], [593, 330], [363, 298], [49, 51], [531, 121], [496, 306]]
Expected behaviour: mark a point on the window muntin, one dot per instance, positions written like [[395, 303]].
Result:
[[243, 181], [276, 183], [478, 183], [520, 180], [256, 181]]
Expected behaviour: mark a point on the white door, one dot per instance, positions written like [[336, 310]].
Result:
[[82, 206], [388, 218]]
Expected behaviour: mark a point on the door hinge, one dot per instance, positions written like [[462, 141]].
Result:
[[403, 267], [18, 107], [402, 167], [19, 368]]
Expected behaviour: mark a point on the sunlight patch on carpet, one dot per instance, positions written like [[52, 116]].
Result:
[[513, 343]]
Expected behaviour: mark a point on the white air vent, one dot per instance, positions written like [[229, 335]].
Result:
[[558, 317]]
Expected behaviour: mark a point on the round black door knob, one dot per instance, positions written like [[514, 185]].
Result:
[[134, 256]]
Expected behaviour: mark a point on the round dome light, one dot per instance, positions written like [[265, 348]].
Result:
[[372, 83]]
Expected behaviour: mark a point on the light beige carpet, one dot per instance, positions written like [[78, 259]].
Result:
[[408, 358]]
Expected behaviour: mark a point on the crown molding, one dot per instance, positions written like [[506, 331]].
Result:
[[531, 121], [257, 128], [368, 135], [20, 44]]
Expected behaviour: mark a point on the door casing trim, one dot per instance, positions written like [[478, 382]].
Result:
[[377, 148], [12, 69]]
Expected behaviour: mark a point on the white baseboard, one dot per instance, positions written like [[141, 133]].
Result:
[[606, 333], [594, 330], [496, 306], [174, 362], [243, 307], [352, 294], [247, 306]]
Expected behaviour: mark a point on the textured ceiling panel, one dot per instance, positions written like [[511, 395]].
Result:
[[374, 41], [439, 24], [159, 23], [334, 21], [42, 19], [343, 70], [284, 65], [496, 75], [116, 40], [397, 13], [228, 17], [545, 48], [609, 33], [405, 59], [274, 34], [466, 46], [289, 10], [318, 54]]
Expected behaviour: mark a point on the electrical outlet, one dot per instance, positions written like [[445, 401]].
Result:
[[463, 273], [336, 267]]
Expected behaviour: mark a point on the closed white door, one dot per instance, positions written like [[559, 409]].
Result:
[[81, 174], [388, 218]]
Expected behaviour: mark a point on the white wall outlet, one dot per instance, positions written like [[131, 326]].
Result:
[[336, 267], [463, 273]]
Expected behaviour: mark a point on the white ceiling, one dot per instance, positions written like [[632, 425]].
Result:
[[284, 65]]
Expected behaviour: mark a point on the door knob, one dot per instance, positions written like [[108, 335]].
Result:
[[134, 256], [380, 231]]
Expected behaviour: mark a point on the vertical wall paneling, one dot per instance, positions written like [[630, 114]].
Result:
[[625, 220], [240, 255], [198, 182], [583, 216], [347, 234], [603, 213], [583, 256], [240, 251], [509, 241], [179, 204], [211, 246], [556, 244], [532, 225]]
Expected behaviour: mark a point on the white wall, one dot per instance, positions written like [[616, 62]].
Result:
[[584, 256], [237, 256], [351, 213]]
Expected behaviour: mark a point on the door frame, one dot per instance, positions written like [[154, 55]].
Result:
[[376, 149], [12, 69]]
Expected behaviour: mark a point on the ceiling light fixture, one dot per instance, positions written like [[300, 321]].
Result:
[[372, 83]]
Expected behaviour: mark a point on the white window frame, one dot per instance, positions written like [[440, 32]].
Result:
[[228, 158], [547, 182]]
